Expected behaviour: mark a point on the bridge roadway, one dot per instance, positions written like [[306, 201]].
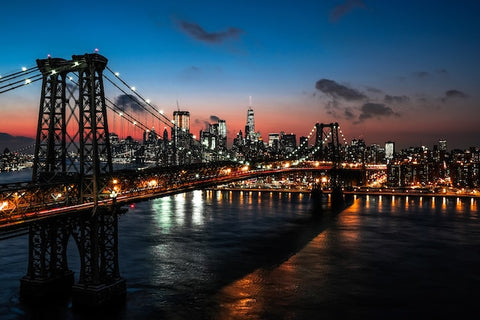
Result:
[[14, 216]]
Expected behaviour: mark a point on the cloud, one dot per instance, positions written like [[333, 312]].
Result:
[[442, 71], [454, 94], [348, 113], [203, 123], [421, 74], [197, 32], [128, 102], [375, 110], [214, 118], [336, 90], [396, 99], [344, 8], [374, 90]]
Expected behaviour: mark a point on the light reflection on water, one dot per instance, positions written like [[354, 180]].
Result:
[[410, 256], [242, 255]]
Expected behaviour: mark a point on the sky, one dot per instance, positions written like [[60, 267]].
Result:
[[402, 71]]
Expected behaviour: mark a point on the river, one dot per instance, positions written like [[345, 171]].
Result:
[[239, 255]]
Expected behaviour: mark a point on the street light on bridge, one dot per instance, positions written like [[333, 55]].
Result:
[[3, 205]]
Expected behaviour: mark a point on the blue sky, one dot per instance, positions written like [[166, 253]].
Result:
[[405, 71]]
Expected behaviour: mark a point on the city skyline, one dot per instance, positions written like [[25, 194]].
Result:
[[403, 72]]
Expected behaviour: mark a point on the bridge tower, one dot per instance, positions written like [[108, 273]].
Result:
[[93, 127], [73, 146], [50, 145], [327, 141]]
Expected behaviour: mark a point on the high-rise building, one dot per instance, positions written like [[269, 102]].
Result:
[[222, 133], [442, 145], [273, 138], [250, 133], [289, 142], [182, 120], [389, 150]]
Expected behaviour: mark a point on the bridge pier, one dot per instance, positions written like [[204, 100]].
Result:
[[99, 280], [48, 278], [48, 274]]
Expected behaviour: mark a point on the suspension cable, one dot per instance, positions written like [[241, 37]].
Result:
[[115, 108], [147, 102], [139, 103], [17, 74], [23, 82]]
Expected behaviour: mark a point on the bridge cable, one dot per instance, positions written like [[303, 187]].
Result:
[[18, 74], [117, 75], [139, 103], [115, 108], [23, 82]]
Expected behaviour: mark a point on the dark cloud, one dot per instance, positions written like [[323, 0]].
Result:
[[204, 123], [344, 8], [375, 110], [421, 74], [396, 99], [374, 90], [348, 114], [336, 90], [442, 71], [453, 94], [197, 32], [128, 102]]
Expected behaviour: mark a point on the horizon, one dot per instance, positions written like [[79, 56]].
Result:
[[403, 72]]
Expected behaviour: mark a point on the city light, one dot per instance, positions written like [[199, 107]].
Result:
[[3, 205], [152, 183]]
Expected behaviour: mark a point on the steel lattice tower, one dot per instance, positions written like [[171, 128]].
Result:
[[73, 143], [328, 142], [50, 146], [81, 129], [95, 153]]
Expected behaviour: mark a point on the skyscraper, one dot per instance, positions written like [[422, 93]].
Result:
[[442, 145], [182, 120], [250, 126], [222, 133], [389, 150]]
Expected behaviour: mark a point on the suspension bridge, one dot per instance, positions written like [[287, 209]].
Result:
[[75, 191]]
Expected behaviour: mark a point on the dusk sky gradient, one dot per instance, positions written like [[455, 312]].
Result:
[[405, 71]]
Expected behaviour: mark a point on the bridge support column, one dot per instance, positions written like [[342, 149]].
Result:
[[48, 275], [99, 281]]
